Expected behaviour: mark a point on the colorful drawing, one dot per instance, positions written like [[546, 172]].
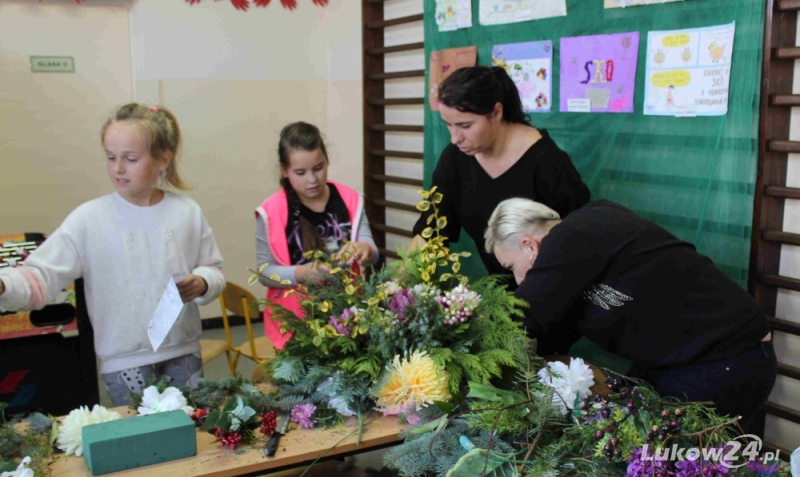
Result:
[[686, 55], [443, 63], [635, 3], [688, 71], [497, 12], [599, 72], [542, 74], [716, 52], [528, 65], [453, 14]]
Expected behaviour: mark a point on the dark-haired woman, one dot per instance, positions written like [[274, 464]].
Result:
[[495, 154], [308, 213]]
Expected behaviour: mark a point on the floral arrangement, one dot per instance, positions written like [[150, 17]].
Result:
[[398, 339], [418, 341], [556, 420], [31, 442], [26, 450]]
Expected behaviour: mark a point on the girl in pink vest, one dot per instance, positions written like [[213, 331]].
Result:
[[308, 213]]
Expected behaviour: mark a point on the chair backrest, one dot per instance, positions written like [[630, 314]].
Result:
[[232, 297], [241, 302]]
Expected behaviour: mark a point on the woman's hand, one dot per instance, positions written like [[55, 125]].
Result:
[[353, 252], [192, 287], [312, 272]]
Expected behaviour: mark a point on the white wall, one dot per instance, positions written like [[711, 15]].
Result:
[[50, 150], [234, 79]]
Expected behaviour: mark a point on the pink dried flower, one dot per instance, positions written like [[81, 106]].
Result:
[[400, 301], [301, 414]]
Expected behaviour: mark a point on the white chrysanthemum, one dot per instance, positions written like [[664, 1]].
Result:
[[391, 287], [570, 382], [170, 400], [69, 432], [22, 470], [424, 290]]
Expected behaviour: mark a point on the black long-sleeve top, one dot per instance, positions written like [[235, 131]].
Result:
[[544, 173], [682, 308]]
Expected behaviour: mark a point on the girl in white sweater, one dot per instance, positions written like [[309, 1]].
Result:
[[127, 246]]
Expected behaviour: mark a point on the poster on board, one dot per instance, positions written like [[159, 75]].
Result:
[[499, 12], [453, 14], [598, 73], [530, 65], [688, 71], [443, 63], [634, 3]]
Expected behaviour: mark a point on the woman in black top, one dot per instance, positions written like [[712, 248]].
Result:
[[495, 155], [638, 291]]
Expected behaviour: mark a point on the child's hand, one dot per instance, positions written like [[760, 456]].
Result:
[[312, 272], [192, 287], [353, 252]]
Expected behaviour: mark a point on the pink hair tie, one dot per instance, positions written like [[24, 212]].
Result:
[[154, 108]]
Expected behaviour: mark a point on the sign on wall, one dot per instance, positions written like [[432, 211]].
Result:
[[52, 64]]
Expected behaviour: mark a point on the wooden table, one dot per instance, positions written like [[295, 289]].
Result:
[[299, 447]]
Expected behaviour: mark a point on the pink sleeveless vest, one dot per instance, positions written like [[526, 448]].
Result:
[[275, 211]]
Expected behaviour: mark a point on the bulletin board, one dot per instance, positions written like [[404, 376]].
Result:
[[695, 176]]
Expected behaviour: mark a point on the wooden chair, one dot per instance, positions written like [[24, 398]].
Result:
[[210, 349], [241, 302]]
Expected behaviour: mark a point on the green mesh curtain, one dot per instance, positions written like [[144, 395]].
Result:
[[693, 176]]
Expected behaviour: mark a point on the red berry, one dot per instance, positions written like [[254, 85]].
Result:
[[268, 422]]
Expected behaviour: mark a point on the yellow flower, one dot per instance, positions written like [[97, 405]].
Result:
[[413, 381]]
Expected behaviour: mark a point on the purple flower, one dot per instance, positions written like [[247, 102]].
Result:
[[400, 301], [301, 414], [339, 326], [641, 468], [764, 470], [348, 313], [700, 468]]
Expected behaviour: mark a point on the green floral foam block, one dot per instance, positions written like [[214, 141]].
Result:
[[138, 441]]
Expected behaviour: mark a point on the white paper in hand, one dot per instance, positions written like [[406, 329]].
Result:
[[168, 310]]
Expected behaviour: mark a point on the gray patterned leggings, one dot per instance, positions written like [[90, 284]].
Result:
[[180, 371]]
